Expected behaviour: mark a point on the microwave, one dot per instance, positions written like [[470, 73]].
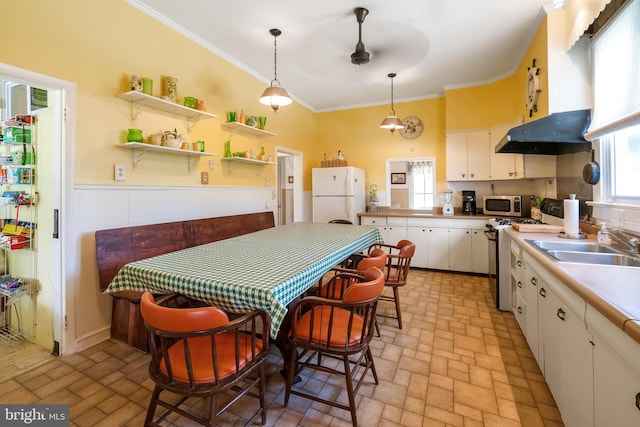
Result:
[[517, 206]]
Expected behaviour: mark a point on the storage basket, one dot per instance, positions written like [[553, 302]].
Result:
[[332, 163]]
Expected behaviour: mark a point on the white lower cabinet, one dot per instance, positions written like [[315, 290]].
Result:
[[480, 251], [616, 373], [590, 365], [460, 249], [441, 243], [568, 358], [438, 248], [419, 235], [378, 221], [396, 230]]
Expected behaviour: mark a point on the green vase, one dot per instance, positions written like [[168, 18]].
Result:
[[134, 135]]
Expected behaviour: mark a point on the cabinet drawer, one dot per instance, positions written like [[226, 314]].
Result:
[[374, 220], [397, 221]]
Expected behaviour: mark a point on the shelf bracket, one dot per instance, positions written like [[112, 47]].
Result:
[[192, 161], [191, 122], [136, 109], [136, 157]]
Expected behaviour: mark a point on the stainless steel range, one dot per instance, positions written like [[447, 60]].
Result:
[[500, 259]]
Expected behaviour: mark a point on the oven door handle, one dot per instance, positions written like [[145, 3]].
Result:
[[491, 235]]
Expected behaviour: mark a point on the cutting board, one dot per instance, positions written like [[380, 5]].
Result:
[[537, 228]]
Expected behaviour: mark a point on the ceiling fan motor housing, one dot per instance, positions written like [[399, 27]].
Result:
[[360, 56]]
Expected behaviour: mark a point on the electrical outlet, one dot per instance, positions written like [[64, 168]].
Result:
[[211, 165], [119, 172], [204, 178]]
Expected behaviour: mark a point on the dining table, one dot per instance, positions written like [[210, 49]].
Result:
[[264, 270]]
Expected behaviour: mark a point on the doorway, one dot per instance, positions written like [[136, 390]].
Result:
[[47, 100], [289, 179]]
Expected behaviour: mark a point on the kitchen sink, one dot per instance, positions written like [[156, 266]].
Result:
[[596, 258], [585, 252], [572, 246]]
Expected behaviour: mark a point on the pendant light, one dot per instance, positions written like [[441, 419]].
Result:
[[391, 122], [275, 96]]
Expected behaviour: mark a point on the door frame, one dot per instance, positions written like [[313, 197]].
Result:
[[63, 330], [298, 213]]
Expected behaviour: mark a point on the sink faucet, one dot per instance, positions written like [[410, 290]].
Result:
[[629, 241]]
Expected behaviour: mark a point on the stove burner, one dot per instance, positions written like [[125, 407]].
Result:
[[509, 221]]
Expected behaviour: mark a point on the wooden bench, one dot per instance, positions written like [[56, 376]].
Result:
[[119, 246]]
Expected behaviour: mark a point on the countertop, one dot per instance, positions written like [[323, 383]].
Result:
[[612, 290], [417, 213]]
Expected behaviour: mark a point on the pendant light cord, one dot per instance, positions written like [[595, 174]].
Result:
[[275, 60]]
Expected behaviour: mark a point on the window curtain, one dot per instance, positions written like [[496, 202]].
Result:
[[419, 168], [579, 15], [616, 67]]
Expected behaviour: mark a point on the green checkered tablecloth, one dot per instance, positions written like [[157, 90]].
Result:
[[266, 270]]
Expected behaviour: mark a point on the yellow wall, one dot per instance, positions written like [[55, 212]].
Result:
[[67, 40], [356, 132], [502, 101], [79, 41]]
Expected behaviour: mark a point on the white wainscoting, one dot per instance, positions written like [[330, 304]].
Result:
[[97, 207]]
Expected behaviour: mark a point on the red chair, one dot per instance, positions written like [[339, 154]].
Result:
[[333, 287], [396, 271], [199, 352], [340, 329]]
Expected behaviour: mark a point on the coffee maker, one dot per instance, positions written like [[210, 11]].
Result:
[[468, 202]]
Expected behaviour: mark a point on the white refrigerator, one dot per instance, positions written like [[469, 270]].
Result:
[[338, 193]]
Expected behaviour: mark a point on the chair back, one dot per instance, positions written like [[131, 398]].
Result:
[[398, 266], [338, 284], [377, 258], [198, 349], [345, 325]]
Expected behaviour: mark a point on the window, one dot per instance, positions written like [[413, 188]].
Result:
[[417, 190], [616, 118], [421, 185]]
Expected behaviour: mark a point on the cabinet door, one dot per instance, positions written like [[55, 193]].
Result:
[[531, 284], [438, 248], [457, 156], [503, 165], [616, 373], [379, 222], [480, 252], [568, 360], [419, 236], [479, 156], [460, 249], [395, 233]]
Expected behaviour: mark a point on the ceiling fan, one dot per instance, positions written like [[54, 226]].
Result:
[[360, 56]]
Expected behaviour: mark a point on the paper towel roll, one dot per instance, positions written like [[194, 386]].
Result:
[[571, 215]]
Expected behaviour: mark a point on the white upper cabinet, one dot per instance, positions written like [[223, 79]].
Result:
[[468, 156]]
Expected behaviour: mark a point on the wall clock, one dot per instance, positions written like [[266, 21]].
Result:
[[533, 88], [412, 127]]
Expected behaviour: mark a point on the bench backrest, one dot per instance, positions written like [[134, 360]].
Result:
[[119, 246]]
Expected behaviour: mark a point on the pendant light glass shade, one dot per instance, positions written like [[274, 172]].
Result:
[[391, 122], [275, 96]]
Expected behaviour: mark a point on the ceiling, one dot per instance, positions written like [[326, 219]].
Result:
[[432, 45]]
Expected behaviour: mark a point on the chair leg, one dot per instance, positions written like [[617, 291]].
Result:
[[213, 410], [262, 387], [373, 365], [293, 361], [396, 297], [152, 405], [349, 381]]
